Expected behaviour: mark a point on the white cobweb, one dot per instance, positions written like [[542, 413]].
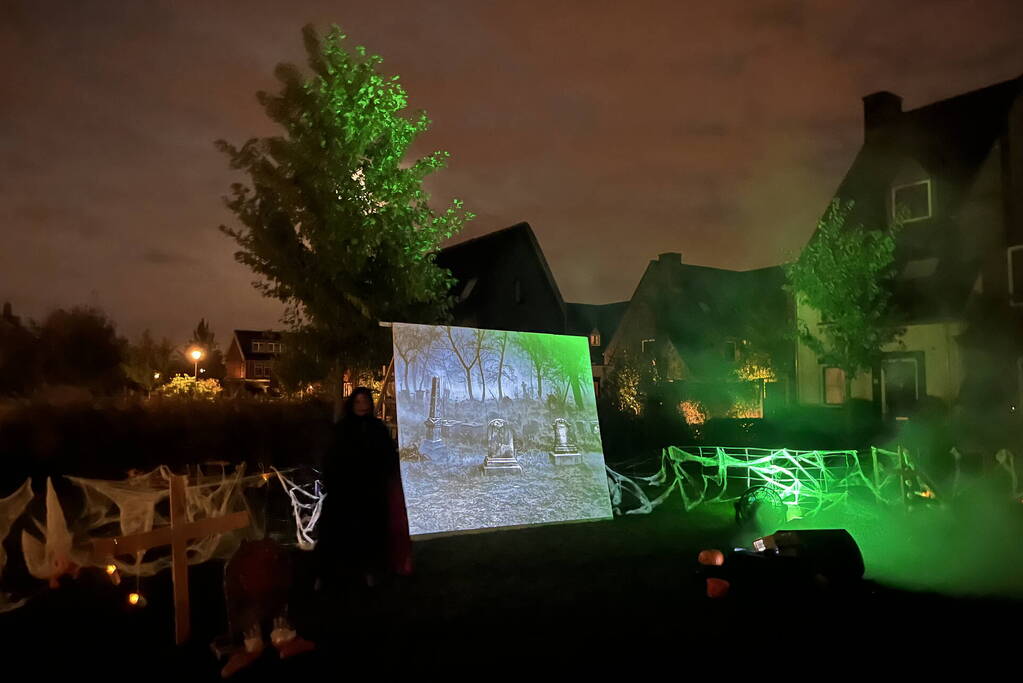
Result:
[[11, 509], [131, 506]]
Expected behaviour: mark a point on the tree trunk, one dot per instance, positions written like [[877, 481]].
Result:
[[577, 393], [500, 368]]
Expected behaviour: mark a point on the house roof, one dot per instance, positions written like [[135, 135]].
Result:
[[699, 307], [605, 318], [246, 337], [950, 139], [473, 260]]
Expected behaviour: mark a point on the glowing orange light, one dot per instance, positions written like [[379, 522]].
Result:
[[111, 569], [134, 598], [196, 354]]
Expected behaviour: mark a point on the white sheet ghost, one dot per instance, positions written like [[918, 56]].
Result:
[[52, 557]]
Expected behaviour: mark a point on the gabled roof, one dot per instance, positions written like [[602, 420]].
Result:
[[583, 319], [473, 260], [244, 338], [950, 139]]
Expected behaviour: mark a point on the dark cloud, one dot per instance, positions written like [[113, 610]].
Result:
[[619, 130]]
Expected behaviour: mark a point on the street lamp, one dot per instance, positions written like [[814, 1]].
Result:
[[196, 355]]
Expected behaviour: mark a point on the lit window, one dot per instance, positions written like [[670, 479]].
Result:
[[912, 201], [834, 386], [1016, 275], [595, 337]]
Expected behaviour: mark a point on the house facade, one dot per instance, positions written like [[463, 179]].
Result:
[[252, 356], [953, 170], [598, 323], [703, 329]]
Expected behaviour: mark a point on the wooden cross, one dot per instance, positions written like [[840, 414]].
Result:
[[177, 536]]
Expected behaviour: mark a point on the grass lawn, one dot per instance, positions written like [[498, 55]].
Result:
[[557, 600]]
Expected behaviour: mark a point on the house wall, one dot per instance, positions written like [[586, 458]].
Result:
[[943, 367], [234, 362]]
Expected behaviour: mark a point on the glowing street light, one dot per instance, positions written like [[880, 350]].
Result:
[[196, 355]]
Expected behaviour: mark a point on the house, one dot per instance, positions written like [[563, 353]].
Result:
[[503, 282], [709, 328], [954, 170], [598, 323], [251, 357]]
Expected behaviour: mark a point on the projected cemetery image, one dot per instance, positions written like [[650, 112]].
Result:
[[496, 429]]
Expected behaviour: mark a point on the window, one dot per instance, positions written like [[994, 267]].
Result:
[[596, 387], [257, 347], [731, 351], [595, 337], [261, 370], [1015, 255], [834, 386], [914, 199], [646, 345]]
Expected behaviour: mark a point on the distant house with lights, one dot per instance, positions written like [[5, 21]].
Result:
[[955, 168], [701, 328], [251, 358]]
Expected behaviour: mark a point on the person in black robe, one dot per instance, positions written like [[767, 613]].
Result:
[[363, 527]]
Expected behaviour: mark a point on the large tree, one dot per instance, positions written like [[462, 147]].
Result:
[[334, 220], [845, 274], [150, 363], [204, 338]]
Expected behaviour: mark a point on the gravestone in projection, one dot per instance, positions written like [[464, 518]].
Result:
[[565, 452], [474, 404]]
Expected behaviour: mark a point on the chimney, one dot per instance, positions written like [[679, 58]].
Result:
[[880, 109], [670, 258]]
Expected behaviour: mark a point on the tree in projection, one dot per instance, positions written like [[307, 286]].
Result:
[[414, 347], [536, 349], [845, 273], [334, 222], [466, 346]]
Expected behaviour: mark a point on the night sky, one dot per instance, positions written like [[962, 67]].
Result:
[[617, 129]]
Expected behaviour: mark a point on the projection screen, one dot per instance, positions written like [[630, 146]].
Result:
[[496, 429]]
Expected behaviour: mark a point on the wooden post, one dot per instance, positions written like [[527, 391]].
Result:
[[177, 536]]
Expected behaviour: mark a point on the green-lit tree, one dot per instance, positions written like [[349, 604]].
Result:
[[844, 273], [334, 221]]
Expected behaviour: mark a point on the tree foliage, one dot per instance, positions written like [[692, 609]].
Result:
[[334, 222], [148, 362], [845, 273], [186, 387], [80, 347], [204, 338]]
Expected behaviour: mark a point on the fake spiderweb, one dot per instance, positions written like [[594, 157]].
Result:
[[807, 481]]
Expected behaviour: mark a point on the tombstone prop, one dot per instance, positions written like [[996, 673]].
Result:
[[433, 446], [565, 452], [500, 449]]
